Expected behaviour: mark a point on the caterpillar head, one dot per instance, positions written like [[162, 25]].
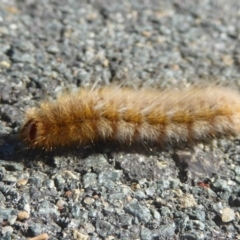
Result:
[[29, 132]]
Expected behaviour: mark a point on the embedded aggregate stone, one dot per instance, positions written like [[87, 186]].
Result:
[[12, 219], [156, 215], [146, 234], [110, 175], [228, 215], [59, 181], [89, 179], [222, 185], [11, 166], [47, 208], [168, 230], [7, 229], [5, 213], [103, 228], [140, 194], [138, 210]]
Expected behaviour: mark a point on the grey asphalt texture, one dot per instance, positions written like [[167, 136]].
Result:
[[49, 45]]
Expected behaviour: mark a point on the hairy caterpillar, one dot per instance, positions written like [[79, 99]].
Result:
[[126, 115]]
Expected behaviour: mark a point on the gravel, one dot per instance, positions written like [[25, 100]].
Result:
[[48, 45]]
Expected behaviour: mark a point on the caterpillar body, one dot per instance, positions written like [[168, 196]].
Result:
[[126, 116]]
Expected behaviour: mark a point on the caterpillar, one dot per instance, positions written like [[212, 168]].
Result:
[[126, 115]]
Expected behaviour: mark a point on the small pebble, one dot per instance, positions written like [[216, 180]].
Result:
[[88, 200], [49, 183], [228, 215], [52, 49], [60, 204], [27, 208], [103, 228], [5, 64], [22, 182], [156, 215], [146, 234], [150, 191], [76, 194], [89, 228], [6, 229], [23, 215], [12, 219], [43, 236], [79, 236], [188, 201], [138, 210]]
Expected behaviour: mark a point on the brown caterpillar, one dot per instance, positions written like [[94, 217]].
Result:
[[126, 115]]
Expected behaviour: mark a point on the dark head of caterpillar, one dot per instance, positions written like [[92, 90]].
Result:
[[29, 131]]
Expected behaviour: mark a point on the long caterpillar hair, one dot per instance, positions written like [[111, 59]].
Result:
[[126, 115]]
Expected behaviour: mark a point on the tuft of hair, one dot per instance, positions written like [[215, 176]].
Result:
[[126, 115]]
